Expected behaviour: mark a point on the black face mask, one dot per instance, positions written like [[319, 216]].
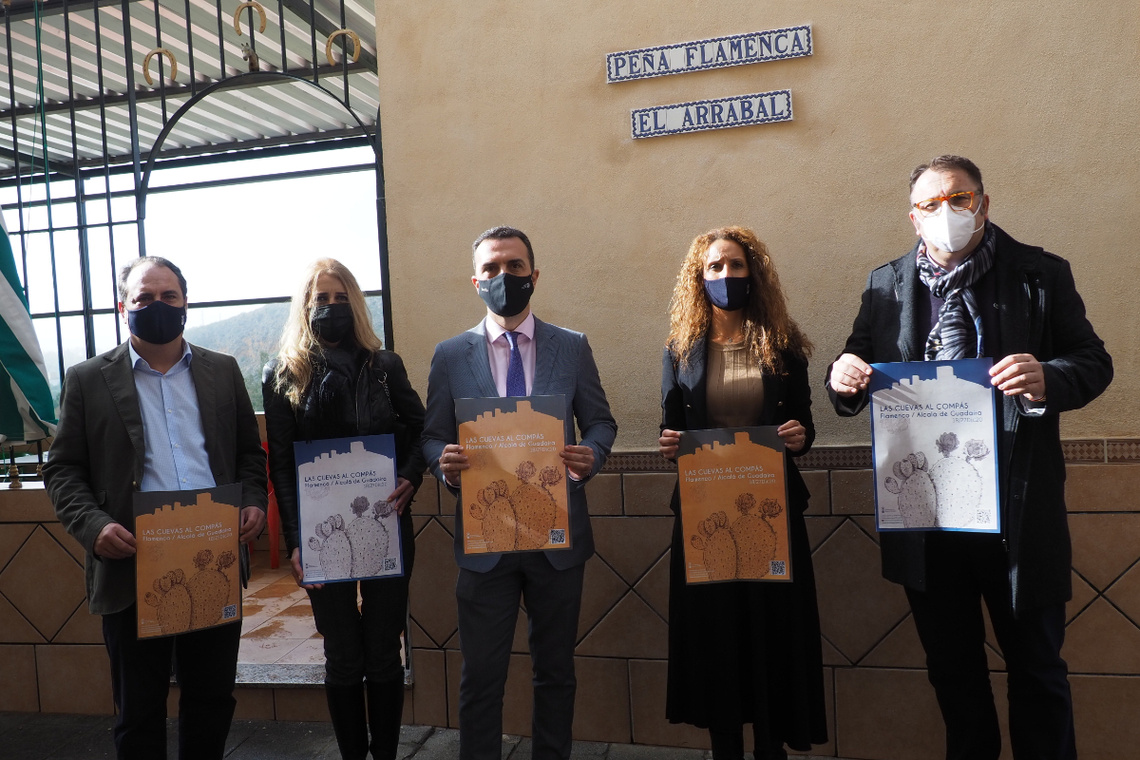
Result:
[[157, 322], [332, 322], [728, 293], [507, 294]]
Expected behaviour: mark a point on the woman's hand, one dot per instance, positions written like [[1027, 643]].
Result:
[[298, 573], [794, 435], [402, 496], [668, 442]]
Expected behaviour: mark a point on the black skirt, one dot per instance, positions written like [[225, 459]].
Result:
[[746, 651]]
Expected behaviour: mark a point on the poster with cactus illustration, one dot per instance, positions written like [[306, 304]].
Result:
[[349, 529], [514, 495], [934, 444], [186, 560], [734, 501]]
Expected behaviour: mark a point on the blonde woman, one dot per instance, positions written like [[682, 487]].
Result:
[[331, 379], [741, 652]]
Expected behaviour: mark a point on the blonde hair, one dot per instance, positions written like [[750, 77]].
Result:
[[299, 346], [768, 329]]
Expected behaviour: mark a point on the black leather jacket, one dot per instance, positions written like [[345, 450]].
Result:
[[396, 409]]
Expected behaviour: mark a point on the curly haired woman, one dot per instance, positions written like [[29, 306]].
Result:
[[741, 651]]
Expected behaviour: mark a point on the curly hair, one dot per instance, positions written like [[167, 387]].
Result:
[[768, 330], [299, 347]]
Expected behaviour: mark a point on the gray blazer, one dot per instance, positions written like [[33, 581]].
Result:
[[96, 460], [563, 365]]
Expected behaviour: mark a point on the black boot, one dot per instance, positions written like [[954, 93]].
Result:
[[346, 706], [385, 709], [727, 743]]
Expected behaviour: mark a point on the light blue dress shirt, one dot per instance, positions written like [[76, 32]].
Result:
[[176, 458]]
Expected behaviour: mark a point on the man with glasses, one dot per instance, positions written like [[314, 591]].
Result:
[[968, 290]]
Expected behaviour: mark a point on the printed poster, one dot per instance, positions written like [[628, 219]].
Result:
[[934, 443], [514, 496], [187, 573], [349, 530], [734, 505]]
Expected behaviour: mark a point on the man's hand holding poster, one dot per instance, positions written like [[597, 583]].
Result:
[[933, 433]]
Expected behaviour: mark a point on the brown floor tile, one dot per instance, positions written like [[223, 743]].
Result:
[[15, 628], [12, 537], [81, 628], [1101, 487], [41, 562], [253, 704], [857, 607], [601, 707], [819, 528], [654, 587], [631, 545], [819, 485], [19, 688], [887, 715], [648, 493], [1101, 640], [264, 651], [309, 651], [852, 492], [647, 709], [901, 648], [432, 590], [429, 695], [1104, 710], [603, 494], [74, 679], [601, 590], [304, 704], [1083, 594], [630, 629], [1104, 545]]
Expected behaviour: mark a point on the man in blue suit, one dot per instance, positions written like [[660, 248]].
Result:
[[511, 353]]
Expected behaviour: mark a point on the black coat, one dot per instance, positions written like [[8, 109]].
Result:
[[403, 416], [743, 651], [1038, 312]]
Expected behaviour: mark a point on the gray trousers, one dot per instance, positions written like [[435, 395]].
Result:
[[488, 610]]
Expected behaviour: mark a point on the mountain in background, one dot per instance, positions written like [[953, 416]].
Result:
[[251, 338]]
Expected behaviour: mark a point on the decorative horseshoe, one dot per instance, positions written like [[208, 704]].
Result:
[[169, 55], [237, 15], [355, 45]]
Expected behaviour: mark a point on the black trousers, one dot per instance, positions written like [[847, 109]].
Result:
[[205, 666], [949, 620], [488, 608]]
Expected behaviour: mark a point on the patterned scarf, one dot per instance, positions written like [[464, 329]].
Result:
[[958, 332]]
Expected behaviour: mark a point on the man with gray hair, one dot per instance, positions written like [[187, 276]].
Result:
[[154, 414]]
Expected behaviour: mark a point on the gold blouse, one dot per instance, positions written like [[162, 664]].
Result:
[[734, 386]]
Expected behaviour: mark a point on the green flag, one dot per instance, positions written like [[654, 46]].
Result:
[[27, 412]]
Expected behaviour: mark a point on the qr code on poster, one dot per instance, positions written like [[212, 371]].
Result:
[[777, 567], [229, 612], [558, 536], [389, 564]]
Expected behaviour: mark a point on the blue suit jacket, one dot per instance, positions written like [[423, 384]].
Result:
[[563, 365]]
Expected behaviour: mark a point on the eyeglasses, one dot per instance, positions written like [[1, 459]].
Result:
[[963, 201]]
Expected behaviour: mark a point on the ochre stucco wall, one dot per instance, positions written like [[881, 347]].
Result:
[[498, 112]]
